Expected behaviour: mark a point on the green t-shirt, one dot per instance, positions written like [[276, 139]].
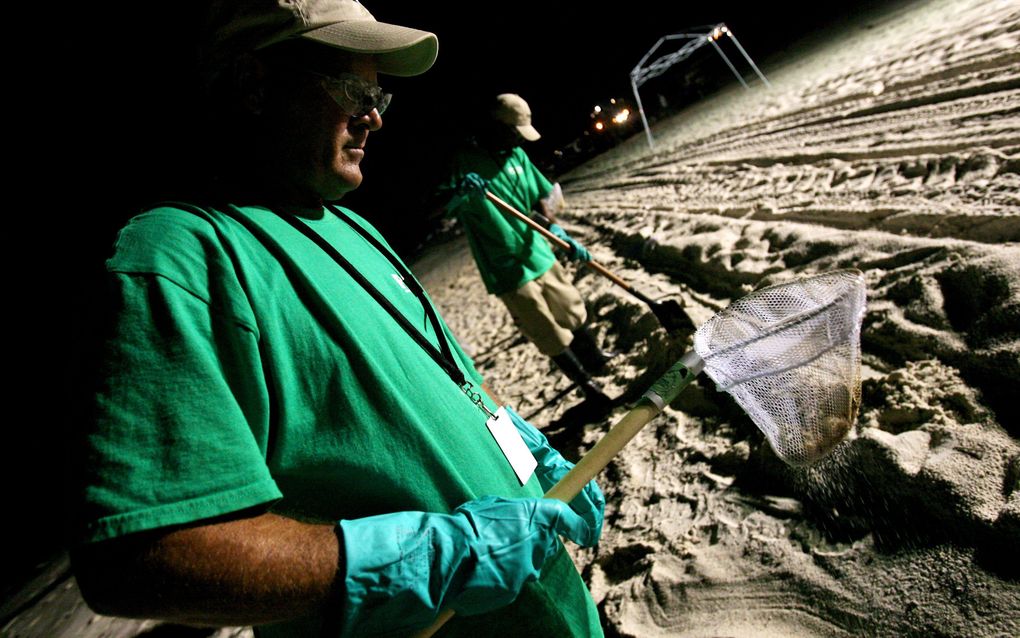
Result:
[[508, 252], [244, 368]]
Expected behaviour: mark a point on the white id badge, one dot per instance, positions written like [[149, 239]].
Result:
[[510, 442]]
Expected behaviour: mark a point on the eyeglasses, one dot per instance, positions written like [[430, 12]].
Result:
[[355, 95]]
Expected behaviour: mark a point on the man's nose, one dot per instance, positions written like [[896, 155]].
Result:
[[371, 120]]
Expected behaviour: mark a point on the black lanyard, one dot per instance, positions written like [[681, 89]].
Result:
[[443, 355]]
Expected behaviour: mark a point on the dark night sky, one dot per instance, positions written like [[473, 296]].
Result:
[[122, 113], [560, 56]]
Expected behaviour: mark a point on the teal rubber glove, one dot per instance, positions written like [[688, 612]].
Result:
[[471, 186], [401, 569], [590, 504], [578, 252]]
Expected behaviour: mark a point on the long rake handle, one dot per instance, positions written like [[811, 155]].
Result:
[[556, 241], [663, 392], [599, 456]]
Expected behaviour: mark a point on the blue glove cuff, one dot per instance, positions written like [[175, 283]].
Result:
[[557, 230], [577, 251], [552, 467]]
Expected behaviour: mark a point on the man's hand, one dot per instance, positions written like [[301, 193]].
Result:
[[590, 504], [471, 186], [401, 569], [577, 252]]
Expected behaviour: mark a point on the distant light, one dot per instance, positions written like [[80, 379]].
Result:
[[622, 116], [598, 126], [612, 100], [598, 109]]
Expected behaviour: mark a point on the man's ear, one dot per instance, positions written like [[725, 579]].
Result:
[[249, 78]]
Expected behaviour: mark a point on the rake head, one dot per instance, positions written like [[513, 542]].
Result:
[[672, 316]]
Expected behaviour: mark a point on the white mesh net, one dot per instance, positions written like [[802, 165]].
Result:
[[790, 355]]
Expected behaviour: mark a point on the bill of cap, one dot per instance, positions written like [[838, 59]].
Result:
[[400, 51], [529, 132]]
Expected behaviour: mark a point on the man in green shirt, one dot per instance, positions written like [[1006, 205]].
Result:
[[278, 438], [516, 263]]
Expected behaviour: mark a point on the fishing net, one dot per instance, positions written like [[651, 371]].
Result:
[[790, 356]]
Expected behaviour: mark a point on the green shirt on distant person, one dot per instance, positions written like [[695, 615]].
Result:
[[507, 251]]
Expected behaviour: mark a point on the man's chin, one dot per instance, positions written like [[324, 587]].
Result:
[[339, 188]]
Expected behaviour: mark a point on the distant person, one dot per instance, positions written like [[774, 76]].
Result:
[[516, 263], [279, 438]]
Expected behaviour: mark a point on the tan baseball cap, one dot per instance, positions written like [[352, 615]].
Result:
[[511, 109], [236, 27]]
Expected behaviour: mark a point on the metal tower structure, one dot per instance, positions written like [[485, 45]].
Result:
[[695, 40]]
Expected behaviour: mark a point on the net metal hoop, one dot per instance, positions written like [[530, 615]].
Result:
[[789, 355], [786, 324]]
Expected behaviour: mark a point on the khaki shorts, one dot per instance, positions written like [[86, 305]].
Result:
[[547, 310]]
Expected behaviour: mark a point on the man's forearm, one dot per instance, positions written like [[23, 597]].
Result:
[[248, 571], [544, 214], [549, 205]]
